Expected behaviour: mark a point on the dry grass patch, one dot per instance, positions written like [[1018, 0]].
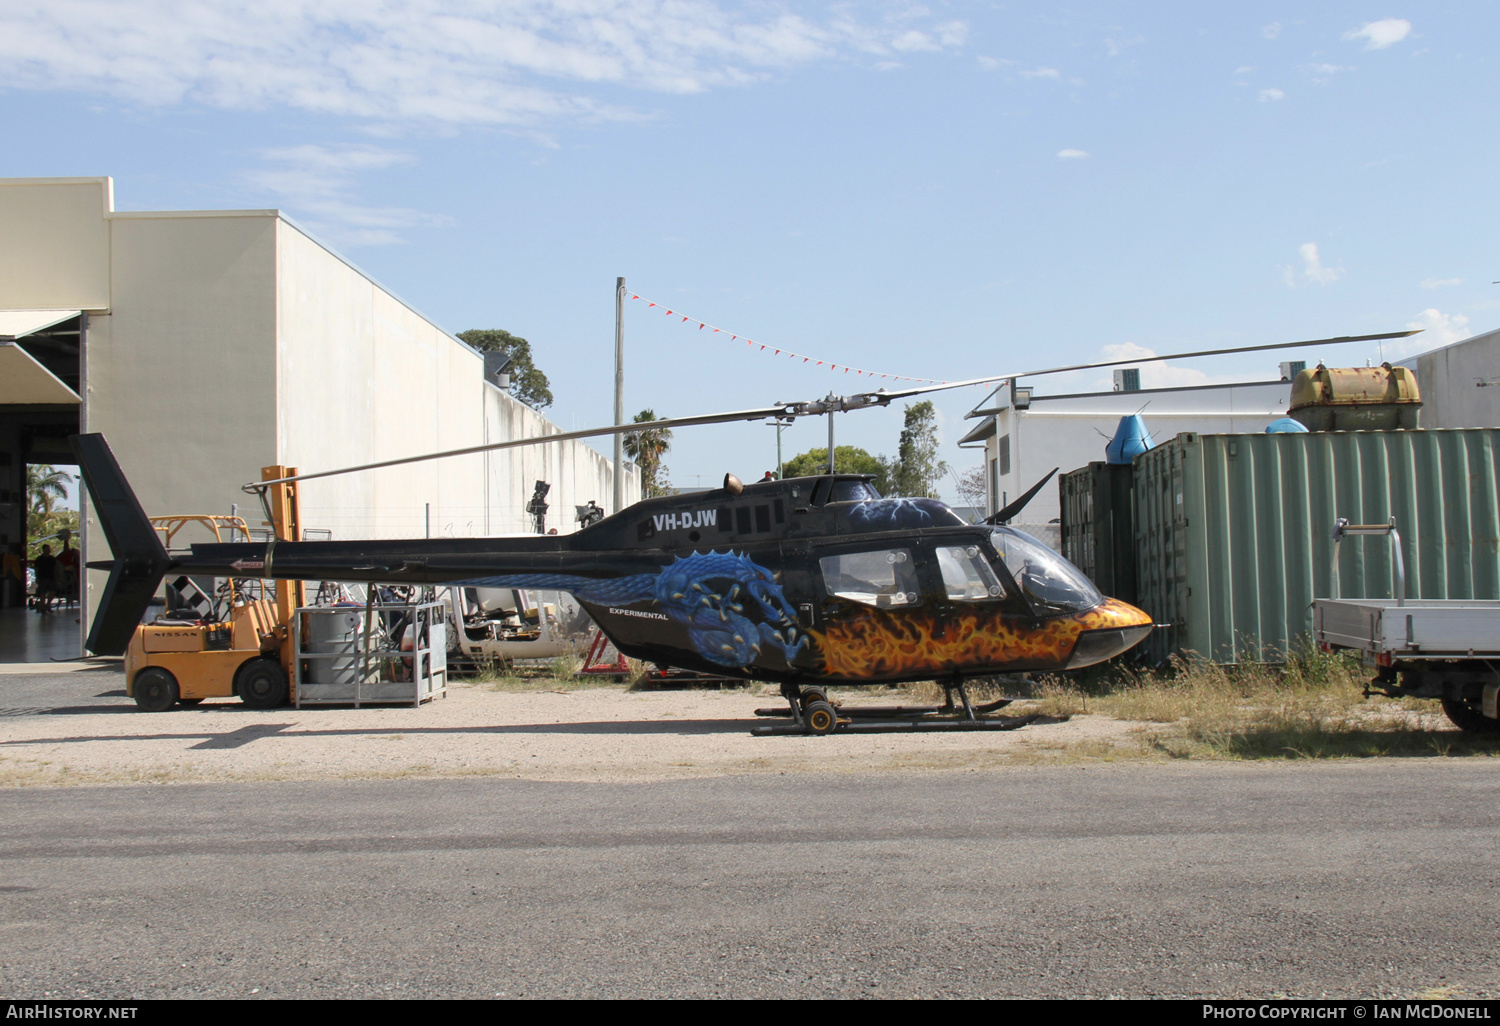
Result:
[[1311, 707]]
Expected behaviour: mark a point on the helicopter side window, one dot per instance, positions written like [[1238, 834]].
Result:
[[883, 577], [967, 575]]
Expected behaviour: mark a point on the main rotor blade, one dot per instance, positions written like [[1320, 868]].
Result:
[[817, 407], [1339, 340], [566, 436]]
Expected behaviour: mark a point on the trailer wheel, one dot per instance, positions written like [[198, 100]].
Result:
[[261, 684], [1467, 717], [155, 689]]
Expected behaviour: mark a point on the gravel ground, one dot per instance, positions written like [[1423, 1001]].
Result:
[[80, 728]]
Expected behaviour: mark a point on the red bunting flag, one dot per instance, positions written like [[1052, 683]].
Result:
[[779, 352]]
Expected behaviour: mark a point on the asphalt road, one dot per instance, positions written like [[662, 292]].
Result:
[[1354, 879]]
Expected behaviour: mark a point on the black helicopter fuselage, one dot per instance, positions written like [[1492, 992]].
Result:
[[814, 579]]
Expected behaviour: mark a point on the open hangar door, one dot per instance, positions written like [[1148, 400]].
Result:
[[40, 383]]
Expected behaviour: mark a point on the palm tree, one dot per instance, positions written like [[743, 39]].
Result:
[[45, 484], [646, 448]]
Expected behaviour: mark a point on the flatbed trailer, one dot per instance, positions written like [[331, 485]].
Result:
[[1448, 649]]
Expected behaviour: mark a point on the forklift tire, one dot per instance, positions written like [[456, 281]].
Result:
[[1465, 716], [155, 689], [261, 684]]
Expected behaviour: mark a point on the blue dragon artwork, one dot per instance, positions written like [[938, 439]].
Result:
[[706, 592]]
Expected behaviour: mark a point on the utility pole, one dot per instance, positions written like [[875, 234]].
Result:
[[619, 394], [780, 464]]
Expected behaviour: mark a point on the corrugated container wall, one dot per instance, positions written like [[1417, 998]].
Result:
[[1234, 541], [1097, 532]]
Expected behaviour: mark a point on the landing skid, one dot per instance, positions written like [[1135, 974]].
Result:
[[810, 712]]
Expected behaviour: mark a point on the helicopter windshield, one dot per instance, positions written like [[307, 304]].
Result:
[[1051, 583]]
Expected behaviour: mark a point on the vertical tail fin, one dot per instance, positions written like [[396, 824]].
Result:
[[140, 560]]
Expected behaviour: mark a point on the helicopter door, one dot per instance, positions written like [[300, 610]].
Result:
[[967, 578], [885, 577]]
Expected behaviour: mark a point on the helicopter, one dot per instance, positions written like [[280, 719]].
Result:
[[806, 582]]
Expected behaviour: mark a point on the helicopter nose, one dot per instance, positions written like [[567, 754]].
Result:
[[1112, 628]]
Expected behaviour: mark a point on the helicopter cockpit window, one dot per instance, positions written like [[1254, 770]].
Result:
[[1051, 583], [884, 577], [843, 491], [852, 491], [967, 574]]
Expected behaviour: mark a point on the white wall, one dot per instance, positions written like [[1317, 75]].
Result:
[[180, 374], [54, 243], [576, 472], [365, 378], [1449, 381]]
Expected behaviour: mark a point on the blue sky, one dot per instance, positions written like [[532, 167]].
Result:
[[941, 190]]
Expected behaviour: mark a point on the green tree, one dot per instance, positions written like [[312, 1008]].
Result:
[[647, 448], [527, 383], [45, 484], [917, 467], [847, 459]]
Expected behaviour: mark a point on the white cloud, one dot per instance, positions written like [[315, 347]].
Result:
[[1438, 330], [1380, 34], [511, 62], [914, 40], [992, 64], [1271, 95], [1115, 47], [1073, 154], [1051, 73], [952, 33], [1313, 270], [1244, 69], [1441, 283], [316, 184], [1272, 30], [1321, 73]]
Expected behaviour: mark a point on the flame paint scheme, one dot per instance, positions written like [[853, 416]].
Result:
[[751, 581]]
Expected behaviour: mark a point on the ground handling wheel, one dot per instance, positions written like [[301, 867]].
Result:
[[155, 689], [820, 717], [1464, 714], [811, 695], [261, 684]]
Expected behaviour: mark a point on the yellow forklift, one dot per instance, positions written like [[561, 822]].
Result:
[[246, 648]]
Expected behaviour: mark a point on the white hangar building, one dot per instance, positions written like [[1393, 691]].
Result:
[[207, 344]]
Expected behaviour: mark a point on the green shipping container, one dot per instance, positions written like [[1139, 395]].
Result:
[[1234, 532]]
